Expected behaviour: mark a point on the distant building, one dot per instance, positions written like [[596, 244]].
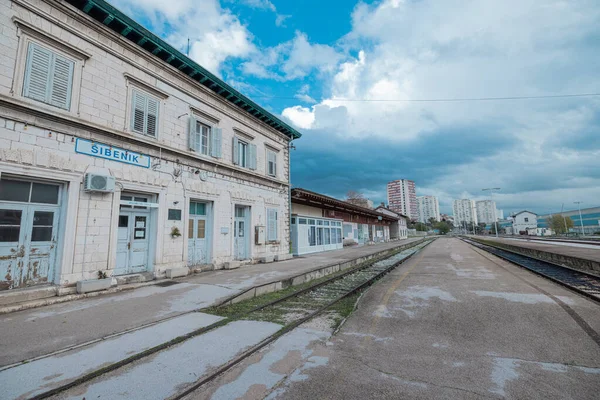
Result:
[[464, 211], [499, 214], [486, 211], [428, 208], [590, 217], [522, 221], [447, 218], [322, 223], [402, 198], [399, 230]]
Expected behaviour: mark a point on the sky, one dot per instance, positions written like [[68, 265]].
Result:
[[367, 83]]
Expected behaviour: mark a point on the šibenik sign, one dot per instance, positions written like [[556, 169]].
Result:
[[112, 153]]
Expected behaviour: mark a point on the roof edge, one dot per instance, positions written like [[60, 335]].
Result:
[[112, 18]]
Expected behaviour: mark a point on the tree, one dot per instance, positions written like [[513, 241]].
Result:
[[354, 195], [443, 226], [421, 227], [557, 223], [432, 221]]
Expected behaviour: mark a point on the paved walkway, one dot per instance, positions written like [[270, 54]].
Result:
[[456, 323], [585, 251], [36, 332]]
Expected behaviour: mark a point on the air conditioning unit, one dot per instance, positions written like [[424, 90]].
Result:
[[98, 183]]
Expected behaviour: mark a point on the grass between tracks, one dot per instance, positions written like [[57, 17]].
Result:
[[240, 310]]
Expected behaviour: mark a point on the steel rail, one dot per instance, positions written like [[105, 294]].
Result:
[[578, 281], [289, 327]]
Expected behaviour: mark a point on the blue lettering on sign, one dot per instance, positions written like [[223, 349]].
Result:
[[95, 149]]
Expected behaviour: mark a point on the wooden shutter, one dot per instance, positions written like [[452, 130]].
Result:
[[37, 74], [251, 156], [152, 116], [138, 112], [216, 139], [192, 135], [61, 80], [271, 224], [236, 160]]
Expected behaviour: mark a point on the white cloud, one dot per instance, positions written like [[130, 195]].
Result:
[[301, 116], [280, 19], [215, 33], [293, 59], [408, 50], [262, 4]]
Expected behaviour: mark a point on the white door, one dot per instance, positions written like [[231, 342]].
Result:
[[132, 243], [29, 215], [197, 233], [240, 233], [133, 237]]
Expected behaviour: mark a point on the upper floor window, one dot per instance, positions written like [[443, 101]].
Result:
[[144, 113], [526, 219], [271, 162], [204, 138], [48, 77], [244, 154]]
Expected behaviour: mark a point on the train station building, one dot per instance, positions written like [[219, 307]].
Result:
[[322, 223], [120, 155]]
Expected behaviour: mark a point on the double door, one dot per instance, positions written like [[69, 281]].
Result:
[[28, 238], [132, 242]]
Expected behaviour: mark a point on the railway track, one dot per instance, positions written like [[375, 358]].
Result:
[[294, 309], [579, 281], [301, 306]]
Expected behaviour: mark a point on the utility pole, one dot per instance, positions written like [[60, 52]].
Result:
[[580, 219], [491, 190]]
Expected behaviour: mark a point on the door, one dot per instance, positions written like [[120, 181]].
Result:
[[132, 243], [133, 237], [240, 233], [29, 215], [197, 229]]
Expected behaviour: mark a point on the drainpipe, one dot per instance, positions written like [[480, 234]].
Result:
[[290, 147]]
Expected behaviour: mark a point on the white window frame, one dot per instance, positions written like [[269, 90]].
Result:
[[271, 158], [272, 226], [244, 153], [30, 34]]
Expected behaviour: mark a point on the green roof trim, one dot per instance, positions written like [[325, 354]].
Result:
[[120, 23]]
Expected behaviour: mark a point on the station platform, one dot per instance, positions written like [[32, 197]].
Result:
[[40, 331], [579, 250], [455, 322]]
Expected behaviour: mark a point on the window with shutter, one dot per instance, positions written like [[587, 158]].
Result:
[[271, 162], [271, 224], [144, 113], [48, 77], [152, 117]]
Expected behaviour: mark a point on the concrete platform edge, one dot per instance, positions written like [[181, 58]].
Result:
[[307, 276]]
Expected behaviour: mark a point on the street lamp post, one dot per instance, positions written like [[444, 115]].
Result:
[[580, 219], [492, 199]]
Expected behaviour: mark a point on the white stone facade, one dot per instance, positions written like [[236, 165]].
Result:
[[38, 144], [429, 207], [523, 221]]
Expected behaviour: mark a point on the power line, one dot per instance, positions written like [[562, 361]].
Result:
[[557, 96]]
